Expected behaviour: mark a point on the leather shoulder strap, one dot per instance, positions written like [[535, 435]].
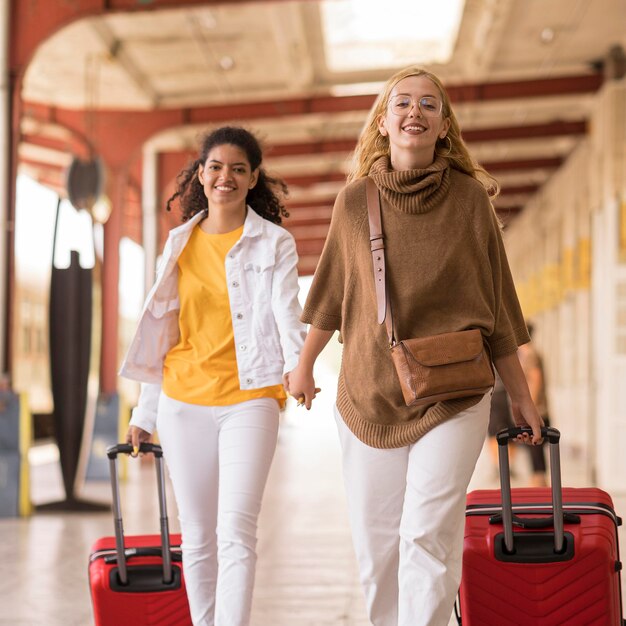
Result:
[[377, 246]]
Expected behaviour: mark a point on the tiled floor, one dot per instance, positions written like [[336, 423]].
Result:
[[306, 574]]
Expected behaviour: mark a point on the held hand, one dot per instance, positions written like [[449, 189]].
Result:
[[527, 415], [301, 398], [286, 382], [136, 436], [302, 386]]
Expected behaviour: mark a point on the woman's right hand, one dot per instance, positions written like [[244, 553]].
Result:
[[136, 436], [302, 385]]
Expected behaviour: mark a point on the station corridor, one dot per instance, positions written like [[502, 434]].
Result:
[[307, 574]]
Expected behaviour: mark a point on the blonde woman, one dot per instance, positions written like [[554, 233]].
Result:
[[407, 468]]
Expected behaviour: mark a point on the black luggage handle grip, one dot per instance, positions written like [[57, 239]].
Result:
[[130, 553], [551, 434], [127, 448]]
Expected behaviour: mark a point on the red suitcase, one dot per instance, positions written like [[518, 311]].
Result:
[[138, 581], [561, 569]]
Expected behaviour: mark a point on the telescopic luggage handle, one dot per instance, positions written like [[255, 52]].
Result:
[[156, 450], [553, 436]]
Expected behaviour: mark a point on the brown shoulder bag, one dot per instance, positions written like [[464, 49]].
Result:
[[430, 369]]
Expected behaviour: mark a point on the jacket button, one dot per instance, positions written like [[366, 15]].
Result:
[[235, 283], [239, 316], [249, 381], [242, 347]]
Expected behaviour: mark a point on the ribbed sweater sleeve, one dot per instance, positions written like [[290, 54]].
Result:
[[509, 328]]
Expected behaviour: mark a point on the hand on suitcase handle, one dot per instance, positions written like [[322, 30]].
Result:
[[136, 436], [127, 448], [547, 432]]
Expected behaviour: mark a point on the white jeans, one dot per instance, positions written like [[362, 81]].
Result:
[[407, 513], [218, 460]]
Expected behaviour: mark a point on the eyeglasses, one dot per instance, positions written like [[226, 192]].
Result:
[[428, 105]]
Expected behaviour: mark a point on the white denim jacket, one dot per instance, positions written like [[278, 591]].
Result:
[[262, 283]]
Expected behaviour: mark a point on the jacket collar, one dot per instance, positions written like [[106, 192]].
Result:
[[253, 226], [188, 225]]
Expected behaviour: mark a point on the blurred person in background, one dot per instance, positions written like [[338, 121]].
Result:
[[500, 417], [532, 364]]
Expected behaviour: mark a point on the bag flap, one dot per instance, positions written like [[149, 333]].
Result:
[[446, 348]]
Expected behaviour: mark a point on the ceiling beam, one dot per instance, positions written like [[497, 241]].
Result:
[[53, 168], [51, 143], [290, 223], [518, 190], [298, 205], [530, 88], [307, 180], [310, 147], [313, 214], [523, 164], [528, 131]]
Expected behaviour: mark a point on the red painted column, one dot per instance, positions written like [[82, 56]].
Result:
[[110, 283], [15, 104]]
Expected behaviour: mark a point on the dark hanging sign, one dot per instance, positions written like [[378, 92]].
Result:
[[85, 182]]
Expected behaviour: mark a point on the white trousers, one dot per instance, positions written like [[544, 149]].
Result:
[[407, 513], [218, 460]]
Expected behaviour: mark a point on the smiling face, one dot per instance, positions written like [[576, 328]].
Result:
[[227, 176], [413, 135]]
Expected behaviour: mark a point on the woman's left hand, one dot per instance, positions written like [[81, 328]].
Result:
[[522, 406]]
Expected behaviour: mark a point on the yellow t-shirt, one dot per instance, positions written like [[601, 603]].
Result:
[[202, 367]]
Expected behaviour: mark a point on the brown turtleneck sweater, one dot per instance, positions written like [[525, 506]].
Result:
[[446, 271]]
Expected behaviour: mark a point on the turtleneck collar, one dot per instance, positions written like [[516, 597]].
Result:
[[412, 191]]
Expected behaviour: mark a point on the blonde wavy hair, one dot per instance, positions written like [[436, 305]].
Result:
[[372, 145]]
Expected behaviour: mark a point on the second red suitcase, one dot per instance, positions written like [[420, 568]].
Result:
[[554, 569], [138, 580]]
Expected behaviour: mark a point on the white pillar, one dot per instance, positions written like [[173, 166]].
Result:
[[149, 200], [609, 287]]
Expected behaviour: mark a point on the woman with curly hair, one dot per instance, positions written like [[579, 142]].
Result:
[[407, 467], [219, 331]]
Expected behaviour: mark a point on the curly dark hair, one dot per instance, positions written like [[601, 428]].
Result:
[[265, 198]]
